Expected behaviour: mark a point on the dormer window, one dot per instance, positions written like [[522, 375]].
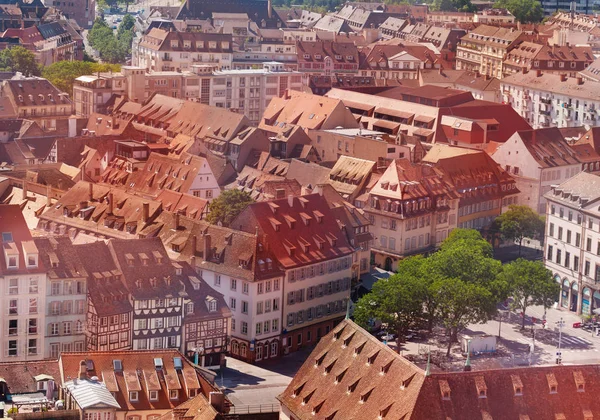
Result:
[[482, 393], [553, 389], [306, 57], [352, 387], [32, 261], [518, 392], [12, 262], [364, 397]]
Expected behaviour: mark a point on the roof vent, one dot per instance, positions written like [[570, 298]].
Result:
[[178, 363], [158, 363]]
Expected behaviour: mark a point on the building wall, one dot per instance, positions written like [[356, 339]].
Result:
[[30, 303], [66, 308]]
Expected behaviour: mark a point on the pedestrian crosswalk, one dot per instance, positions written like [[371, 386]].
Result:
[[574, 341]]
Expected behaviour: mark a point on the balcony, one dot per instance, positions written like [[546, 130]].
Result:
[[546, 101], [167, 58]]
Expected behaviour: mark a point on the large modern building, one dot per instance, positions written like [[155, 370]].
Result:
[[573, 241]]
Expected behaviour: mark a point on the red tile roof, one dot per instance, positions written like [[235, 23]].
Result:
[[12, 222], [139, 365], [20, 376], [287, 225]]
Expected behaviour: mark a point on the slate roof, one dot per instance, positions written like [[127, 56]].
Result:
[[20, 376], [548, 147]]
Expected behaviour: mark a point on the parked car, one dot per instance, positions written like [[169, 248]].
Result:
[[388, 337]]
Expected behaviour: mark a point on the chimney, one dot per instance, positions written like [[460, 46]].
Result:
[[291, 200], [206, 246], [24, 190], [538, 73], [270, 8], [563, 77], [279, 193], [217, 399], [91, 192], [524, 70], [579, 80], [110, 203], [145, 212], [82, 370]]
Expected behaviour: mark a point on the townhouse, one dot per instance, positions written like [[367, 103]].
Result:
[[136, 385], [37, 99], [537, 159], [327, 57], [66, 296], [573, 241], [162, 50], [23, 290], [567, 59], [411, 208], [242, 268], [552, 100], [397, 61], [485, 48], [316, 257]]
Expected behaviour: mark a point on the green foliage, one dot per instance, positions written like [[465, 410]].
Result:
[[453, 6], [113, 48], [19, 59], [525, 11], [12, 410], [227, 206], [458, 285], [520, 222], [62, 74], [531, 284]]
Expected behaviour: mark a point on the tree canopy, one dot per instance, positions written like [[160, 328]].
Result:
[[520, 222], [19, 59], [525, 11], [531, 284], [62, 74], [456, 286], [227, 206], [113, 48], [453, 6]]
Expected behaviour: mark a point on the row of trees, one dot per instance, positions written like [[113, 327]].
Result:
[[525, 11], [19, 59], [112, 48], [63, 73], [461, 284]]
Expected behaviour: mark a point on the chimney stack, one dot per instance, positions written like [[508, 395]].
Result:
[[538, 73], [24, 190], [206, 246], [563, 77], [145, 212], [269, 11], [217, 399], [110, 203], [279, 193], [579, 80], [91, 192], [82, 370]]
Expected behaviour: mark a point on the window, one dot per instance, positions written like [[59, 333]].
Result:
[[233, 284], [12, 307], [32, 326], [217, 280], [560, 233], [33, 285], [13, 327], [244, 328], [575, 263], [558, 256], [276, 304], [12, 348], [67, 328], [258, 328], [259, 308], [13, 287], [550, 252], [245, 288], [275, 325], [33, 306], [232, 303], [153, 395], [133, 396], [244, 307], [568, 236], [55, 288], [32, 346], [586, 270], [588, 244]]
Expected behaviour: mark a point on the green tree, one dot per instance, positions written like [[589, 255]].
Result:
[[453, 6], [530, 283], [525, 11], [227, 206], [520, 222], [19, 59], [62, 74], [112, 48], [458, 285]]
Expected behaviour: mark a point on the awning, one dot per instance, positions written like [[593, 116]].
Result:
[[422, 132], [43, 377], [393, 112], [391, 125]]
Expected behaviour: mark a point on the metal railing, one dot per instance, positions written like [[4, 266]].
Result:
[[254, 408]]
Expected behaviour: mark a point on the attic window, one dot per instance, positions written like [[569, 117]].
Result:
[[364, 397], [358, 349], [385, 368], [352, 387], [298, 390], [372, 358], [329, 367], [319, 360], [340, 376]]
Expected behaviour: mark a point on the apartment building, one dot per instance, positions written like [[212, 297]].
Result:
[[316, 257], [66, 296], [537, 159], [81, 11], [23, 290], [573, 241], [485, 48], [412, 209], [553, 100], [558, 59], [397, 61], [162, 50], [37, 99], [243, 269], [246, 91], [327, 57]]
